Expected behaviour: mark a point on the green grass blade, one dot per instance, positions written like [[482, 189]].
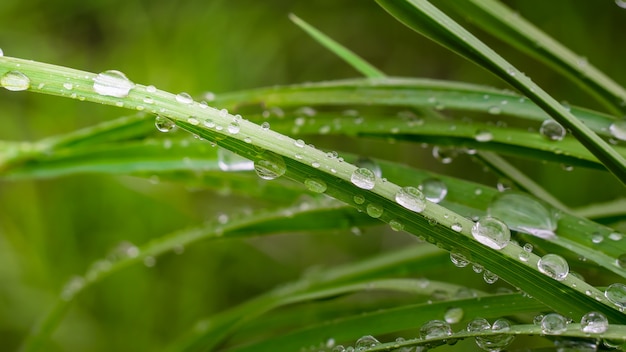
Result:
[[360, 65], [502, 22], [425, 18]]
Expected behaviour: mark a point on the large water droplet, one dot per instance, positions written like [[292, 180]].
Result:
[[553, 324], [524, 214], [184, 98], [435, 329], [112, 83], [594, 323], [229, 161], [411, 198], [496, 342], [618, 129], [453, 315], [434, 189], [315, 185], [552, 130], [491, 232], [616, 293], [270, 166], [363, 178], [163, 124], [366, 342], [15, 81], [554, 266]]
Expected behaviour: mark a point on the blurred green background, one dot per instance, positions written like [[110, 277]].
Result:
[[53, 229]]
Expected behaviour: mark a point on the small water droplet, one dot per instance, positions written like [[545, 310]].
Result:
[[494, 110], [458, 259], [453, 315], [524, 214], [265, 125], [315, 185], [15, 81], [621, 261], [491, 232], [363, 178], [594, 323], [149, 261], [112, 83], [411, 198], [359, 199], [616, 293], [270, 166], [163, 124], [615, 236], [554, 266], [396, 225], [184, 98], [229, 161], [457, 227], [597, 237], [151, 89], [489, 277], [553, 324], [434, 189], [374, 210], [68, 86], [435, 329], [523, 256], [72, 287], [444, 155], [477, 268], [233, 128], [552, 130], [483, 136], [299, 143]]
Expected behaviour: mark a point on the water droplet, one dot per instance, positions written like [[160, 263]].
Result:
[[478, 325], [265, 125], [524, 214], [553, 324], [615, 236], [597, 237], [616, 293], [374, 210], [72, 287], [552, 130], [369, 164], [163, 124], [15, 81], [458, 259], [359, 199], [193, 121], [366, 342], [444, 155], [435, 329], [411, 198], [554, 266], [112, 83], [496, 342], [149, 261], [494, 110], [477, 268], [434, 189], [1, 53], [184, 98], [457, 227], [299, 143], [491, 232], [621, 3], [233, 128], [523, 256], [489, 277], [315, 185], [270, 166], [483, 136], [229, 161], [363, 178], [621, 261], [68, 86], [453, 315], [594, 323], [396, 225], [511, 71]]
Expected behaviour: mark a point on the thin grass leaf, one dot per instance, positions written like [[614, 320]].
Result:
[[502, 22], [365, 68], [426, 19]]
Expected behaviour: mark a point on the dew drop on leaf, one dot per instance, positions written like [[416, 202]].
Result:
[[315, 185], [483, 136], [270, 166], [453, 315], [489, 277], [594, 323], [434, 189], [458, 259], [374, 210], [554, 266], [184, 98], [552, 130], [411, 198], [616, 293], [553, 324], [435, 329], [524, 214], [112, 83], [15, 81], [618, 129], [444, 155], [478, 324], [366, 342], [72, 287], [363, 178], [396, 225], [491, 232], [233, 128], [621, 261], [163, 124]]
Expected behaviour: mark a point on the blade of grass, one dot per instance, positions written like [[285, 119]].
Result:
[[426, 19]]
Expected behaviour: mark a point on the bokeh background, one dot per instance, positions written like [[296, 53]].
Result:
[[54, 228]]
